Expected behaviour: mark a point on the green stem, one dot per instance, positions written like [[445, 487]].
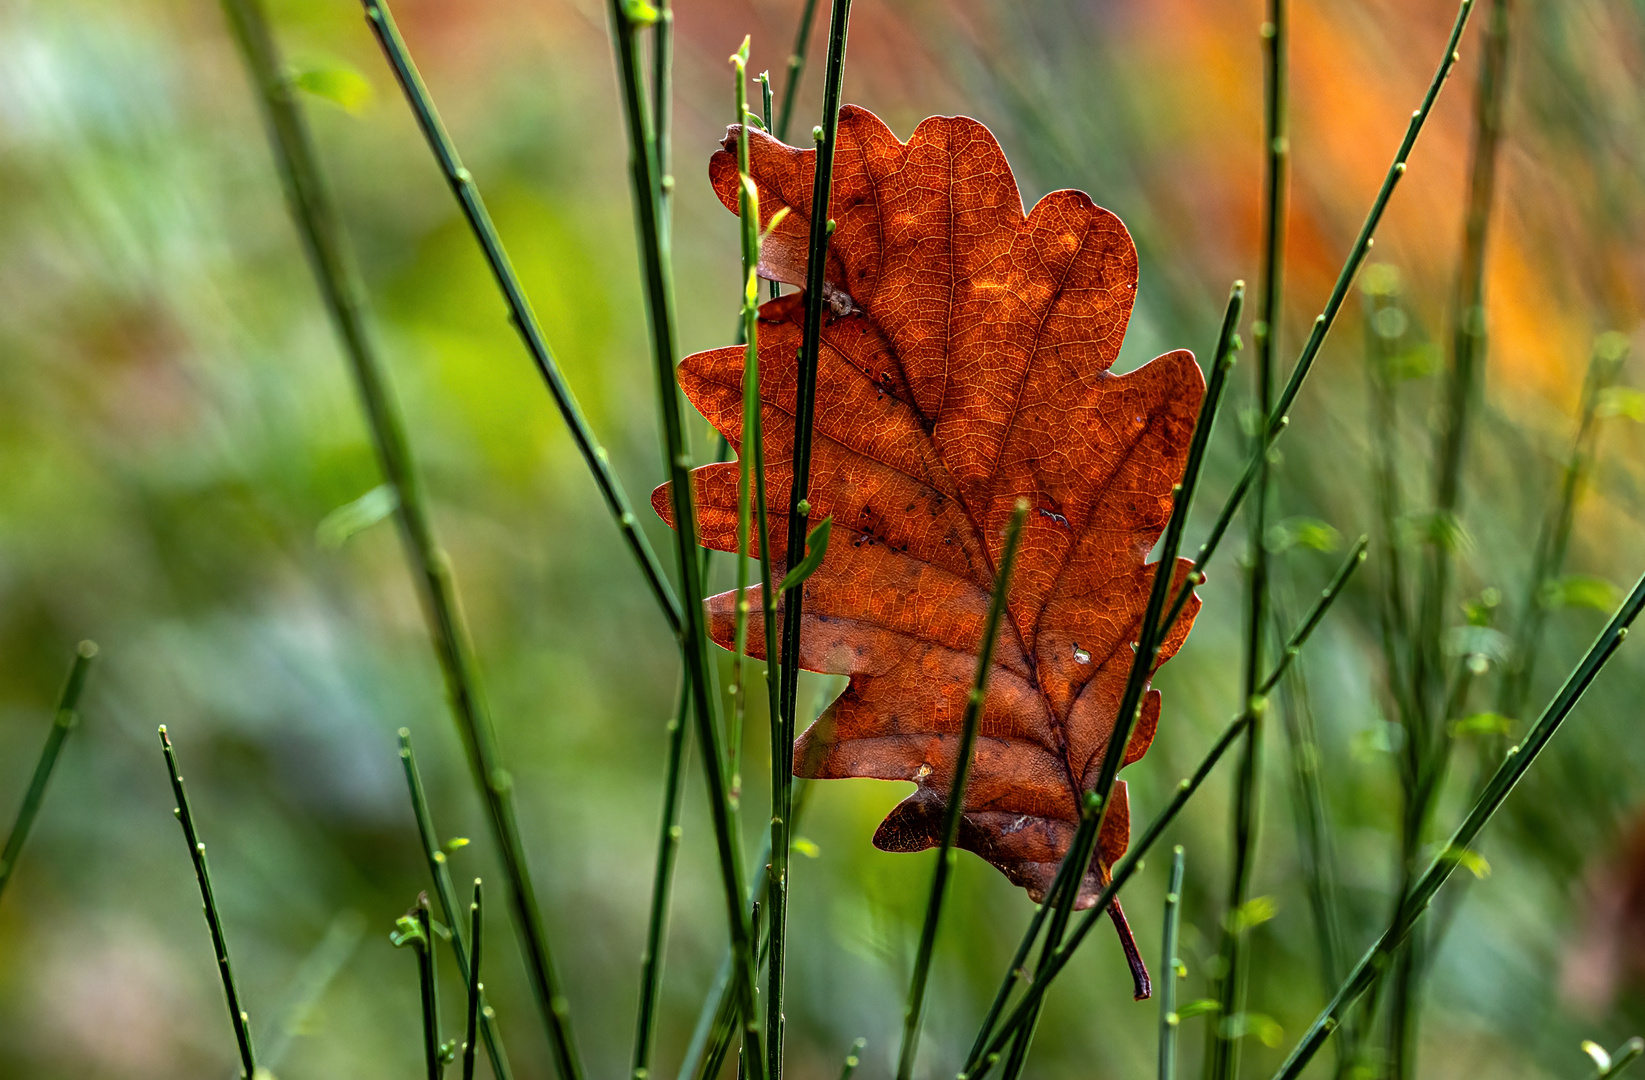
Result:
[[427, 983], [1555, 535], [445, 891], [208, 898], [63, 721], [1168, 1019], [749, 218], [1622, 1057], [799, 508], [322, 234], [914, 1010], [852, 1058], [1027, 1007], [520, 312], [476, 990], [658, 273], [1416, 900], [796, 68], [662, 889], [1233, 966]]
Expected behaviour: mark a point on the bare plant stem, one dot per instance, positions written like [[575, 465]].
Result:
[[1027, 1007], [321, 231], [914, 1010], [796, 68], [852, 1059], [749, 218], [520, 313], [1415, 901], [428, 983], [1233, 968], [208, 899], [658, 273], [476, 990], [1064, 889], [63, 720], [1427, 735], [1170, 965], [662, 888], [439, 871], [1555, 535], [799, 513]]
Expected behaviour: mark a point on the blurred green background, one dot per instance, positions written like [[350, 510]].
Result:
[[175, 422]]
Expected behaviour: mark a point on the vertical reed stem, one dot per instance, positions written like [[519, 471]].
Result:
[[476, 989], [208, 899], [1170, 965], [63, 721], [428, 984], [799, 513], [658, 273], [914, 1009], [796, 68]]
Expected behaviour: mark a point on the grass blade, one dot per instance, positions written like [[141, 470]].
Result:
[[62, 722], [520, 312], [1170, 965], [208, 899], [321, 231], [914, 1010], [1513, 768], [440, 871]]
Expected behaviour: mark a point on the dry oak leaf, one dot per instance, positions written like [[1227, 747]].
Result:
[[964, 363]]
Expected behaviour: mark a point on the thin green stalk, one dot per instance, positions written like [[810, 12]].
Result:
[[1427, 734], [1278, 419], [1513, 768], [322, 234], [1168, 1019], [476, 990], [1027, 1007], [63, 721], [764, 79], [1151, 633], [308, 987], [796, 68], [520, 312], [852, 1058], [711, 1035], [799, 509], [208, 898], [914, 1010], [1210, 406], [749, 218], [658, 273], [1555, 535], [439, 871], [430, 991], [662, 889], [1233, 966], [662, 113]]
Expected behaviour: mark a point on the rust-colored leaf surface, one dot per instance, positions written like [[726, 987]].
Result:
[[964, 364]]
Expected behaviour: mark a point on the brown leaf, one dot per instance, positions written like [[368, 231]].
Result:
[[965, 364]]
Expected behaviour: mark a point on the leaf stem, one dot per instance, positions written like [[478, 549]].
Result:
[[1421, 893], [439, 870], [914, 1010], [321, 231], [208, 898], [520, 313], [1168, 1019], [64, 718]]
